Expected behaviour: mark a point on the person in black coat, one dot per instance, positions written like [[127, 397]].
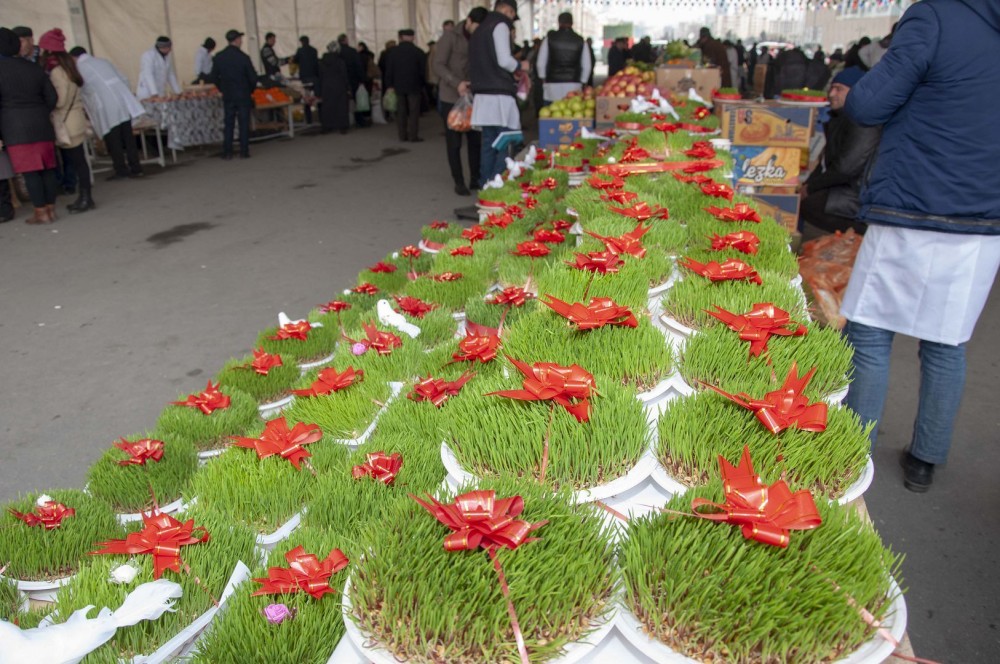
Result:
[[308, 61], [406, 73], [234, 75], [355, 73], [26, 100], [617, 55], [334, 91]]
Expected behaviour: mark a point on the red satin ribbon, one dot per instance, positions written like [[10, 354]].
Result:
[[414, 306], [486, 203], [305, 573], [701, 150], [700, 166], [365, 289], [499, 220], [667, 127], [561, 225], [569, 169], [764, 513], [475, 234], [701, 113], [642, 211], [410, 251], [140, 451], [382, 267], [630, 126], [512, 295], [479, 345], [531, 249], [263, 362], [377, 340], [438, 390], [464, 250], [742, 241], [717, 190], [813, 99], [277, 439], [447, 276], [696, 129], [515, 211], [571, 387], [439, 225], [739, 212], [329, 381], [732, 269], [763, 321], [334, 306], [207, 401], [49, 516], [530, 189], [785, 408], [604, 262], [548, 236], [606, 185], [727, 96], [433, 246], [692, 179], [379, 466], [529, 203], [298, 331], [621, 197], [162, 537], [600, 312], [628, 243], [634, 153]]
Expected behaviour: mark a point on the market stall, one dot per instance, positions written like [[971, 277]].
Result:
[[192, 118]]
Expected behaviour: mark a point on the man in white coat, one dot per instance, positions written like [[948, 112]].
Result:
[[156, 71], [111, 107]]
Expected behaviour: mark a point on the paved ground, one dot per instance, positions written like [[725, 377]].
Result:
[[107, 316]]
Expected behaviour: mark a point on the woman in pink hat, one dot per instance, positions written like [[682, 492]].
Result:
[[68, 118]]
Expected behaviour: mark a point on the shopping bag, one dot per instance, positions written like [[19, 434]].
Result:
[[361, 99], [389, 102], [460, 115]]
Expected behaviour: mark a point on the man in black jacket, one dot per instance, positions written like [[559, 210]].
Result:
[[564, 63], [355, 74], [406, 72], [617, 56], [830, 195], [234, 75], [308, 61]]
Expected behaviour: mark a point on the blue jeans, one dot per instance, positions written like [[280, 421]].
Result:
[[491, 162], [942, 379]]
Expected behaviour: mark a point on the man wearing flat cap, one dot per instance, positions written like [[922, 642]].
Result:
[[406, 73], [234, 75], [157, 76]]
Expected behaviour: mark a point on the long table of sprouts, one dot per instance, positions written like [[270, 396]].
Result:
[[597, 424]]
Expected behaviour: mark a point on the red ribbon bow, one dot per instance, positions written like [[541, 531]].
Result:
[[498, 221], [140, 451], [604, 262], [785, 408], [621, 197], [334, 307], [696, 129], [571, 387], [549, 236], [414, 306], [464, 250], [278, 439], [263, 362], [548, 183], [439, 225], [298, 331], [599, 183], [382, 267], [561, 225], [447, 276], [530, 203], [305, 572], [365, 289], [49, 516], [641, 211], [763, 321], [628, 243], [732, 269], [764, 513], [600, 312], [479, 519], [379, 466], [743, 241], [329, 381], [531, 249], [701, 150], [701, 113], [207, 401], [700, 166], [515, 210], [480, 344], [739, 212], [512, 295], [437, 390], [381, 342], [692, 179], [666, 127], [717, 190], [634, 153], [162, 537], [530, 189], [410, 251]]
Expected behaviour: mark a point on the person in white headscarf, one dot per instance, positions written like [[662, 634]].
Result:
[[156, 71]]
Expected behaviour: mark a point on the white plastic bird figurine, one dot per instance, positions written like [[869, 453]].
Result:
[[663, 104], [284, 320], [532, 156], [513, 167], [694, 96], [396, 320], [495, 183], [640, 105], [71, 641]]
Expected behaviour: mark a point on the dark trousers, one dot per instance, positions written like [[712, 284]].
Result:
[[41, 187], [310, 84], [236, 112], [121, 145], [78, 159], [6, 201], [812, 210], [408, 116], [66, 174], [453, 143]]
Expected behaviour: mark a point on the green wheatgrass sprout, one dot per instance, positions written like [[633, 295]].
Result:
[[653, 141], [36, 554], [688, 299], [701, 226], [127, 488], [509, 194], [632, 117], [437, 326], [440, 365], [406, 419], [694, 430], [667, 234], [479, 310], [211, 563], [442, 235], [633, 356], [626, 287], [710, 594], [413, 597], [517, 269], [390, 282], [450, 295], [572, 159], [277, 384], [344, 414], [401, 364], [10, 600], [209, 432], [657, 265], [243, 634], [362, 308], [319, 343], [478, 267], [772, 257], [496, 436], [579, 196], [717, 356]]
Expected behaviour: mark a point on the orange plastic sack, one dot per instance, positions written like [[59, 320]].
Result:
[[460, 115]]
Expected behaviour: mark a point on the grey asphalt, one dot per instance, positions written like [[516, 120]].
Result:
[[107, 316]]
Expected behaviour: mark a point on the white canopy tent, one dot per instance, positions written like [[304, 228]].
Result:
[[120, 30]]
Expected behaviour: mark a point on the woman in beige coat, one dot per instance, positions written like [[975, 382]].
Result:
[[68, 118]]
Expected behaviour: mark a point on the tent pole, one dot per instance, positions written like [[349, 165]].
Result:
[[166, 17], [411, 11], [295, 13], [350, 20], [78, 23], [253, 37], [456, 12]]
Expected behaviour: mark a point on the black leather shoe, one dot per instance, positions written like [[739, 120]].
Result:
[[474, 186], [917, 475], [461, 189]]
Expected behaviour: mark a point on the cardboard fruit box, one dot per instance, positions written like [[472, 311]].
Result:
[[768, 124], [554, 132], [678, 80], [766, 166], [606, 109]]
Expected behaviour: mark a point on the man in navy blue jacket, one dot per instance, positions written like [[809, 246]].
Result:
[[932, 203]]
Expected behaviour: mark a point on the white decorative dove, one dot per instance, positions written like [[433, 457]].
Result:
[[396, 320], [513, 167], [495, 183], [284, 320], [694, 96], [532, 156], [71, 641], [640, 105]]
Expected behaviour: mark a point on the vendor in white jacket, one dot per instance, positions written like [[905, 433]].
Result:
[[156, 71]]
